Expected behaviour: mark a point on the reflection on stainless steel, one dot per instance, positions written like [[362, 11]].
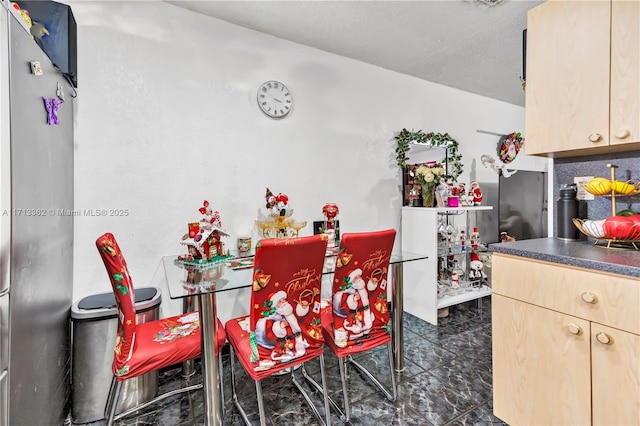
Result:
[[36, 237], [521, 202]]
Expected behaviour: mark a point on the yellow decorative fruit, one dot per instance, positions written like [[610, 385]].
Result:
[[598, 186], [623, 187]]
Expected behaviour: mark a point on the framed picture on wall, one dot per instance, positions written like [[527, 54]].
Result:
[[318, 227]]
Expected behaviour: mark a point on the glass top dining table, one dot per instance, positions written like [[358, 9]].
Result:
[[185, 280]]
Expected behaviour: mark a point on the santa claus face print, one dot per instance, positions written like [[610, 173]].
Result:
[[283, 307]]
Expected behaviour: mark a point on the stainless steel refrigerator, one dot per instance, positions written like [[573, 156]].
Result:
[[36, 232], [520, 207]]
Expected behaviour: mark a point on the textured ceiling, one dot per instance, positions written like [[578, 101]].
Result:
[[472, 45]]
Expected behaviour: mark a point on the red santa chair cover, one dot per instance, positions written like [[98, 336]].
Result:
[[284, 327], [357, 317], [150, 346]]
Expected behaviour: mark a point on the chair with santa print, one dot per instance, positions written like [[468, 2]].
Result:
[[357, 319], [283, 329], [150, 346]]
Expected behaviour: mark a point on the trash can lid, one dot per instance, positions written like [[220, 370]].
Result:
[[103, 305]]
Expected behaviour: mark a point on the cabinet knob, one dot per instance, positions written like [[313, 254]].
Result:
[[595, 137], [604, 338], [622, 134], [589, 297], [574, 329]]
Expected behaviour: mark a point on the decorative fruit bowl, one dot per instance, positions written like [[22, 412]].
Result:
[[613, 234], [590, 228], [605, 187]]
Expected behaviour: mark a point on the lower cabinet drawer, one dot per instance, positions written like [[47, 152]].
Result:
[[608, 299]]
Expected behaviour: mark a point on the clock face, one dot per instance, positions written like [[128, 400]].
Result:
[[274, 99]]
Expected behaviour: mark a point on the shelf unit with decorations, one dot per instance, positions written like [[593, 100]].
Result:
[[423, 280]]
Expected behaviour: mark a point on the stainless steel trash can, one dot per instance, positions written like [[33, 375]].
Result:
[[94, 325]]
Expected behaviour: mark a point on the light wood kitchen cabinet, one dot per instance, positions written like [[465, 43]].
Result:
[[566, 344], [583, 78]]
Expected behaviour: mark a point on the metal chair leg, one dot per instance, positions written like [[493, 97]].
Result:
[[221, 383], [319, 388], [342, 363], [391, 396], [325, 392], [112, 401], [394, 387], [234, 394], [345, 393], [114, 397], [263, 421], [107, 406], [327, 419]]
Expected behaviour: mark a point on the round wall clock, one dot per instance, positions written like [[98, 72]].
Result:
[[274, 99]]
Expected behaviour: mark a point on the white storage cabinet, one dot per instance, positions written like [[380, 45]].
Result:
[[420, 235]]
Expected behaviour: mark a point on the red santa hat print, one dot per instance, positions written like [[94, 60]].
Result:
[[355, 274], [277, 296], [281, 198], [474, 257]]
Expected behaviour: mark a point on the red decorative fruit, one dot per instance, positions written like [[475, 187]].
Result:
[[622, 227]]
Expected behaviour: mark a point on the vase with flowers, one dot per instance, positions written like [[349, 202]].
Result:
[[429, 176]]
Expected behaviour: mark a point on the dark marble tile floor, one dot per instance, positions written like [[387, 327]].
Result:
[[447, 381]]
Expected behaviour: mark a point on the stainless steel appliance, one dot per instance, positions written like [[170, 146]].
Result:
[[36, 231], [522, 207]]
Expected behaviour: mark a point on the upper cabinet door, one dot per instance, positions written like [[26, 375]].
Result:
[[625, 72], [567, 88]]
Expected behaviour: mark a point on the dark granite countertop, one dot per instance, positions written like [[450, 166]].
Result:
[[582, 254]]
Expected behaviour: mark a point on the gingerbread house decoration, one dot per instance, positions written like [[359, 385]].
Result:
[[204, 240]]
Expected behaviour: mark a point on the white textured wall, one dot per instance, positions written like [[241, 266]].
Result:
[[167, 117]]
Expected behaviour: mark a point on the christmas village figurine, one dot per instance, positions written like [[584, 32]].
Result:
[[466, 198], [204, 239], [281, 225], [277, 205], [476, 274], [506, 238], [475, 193]]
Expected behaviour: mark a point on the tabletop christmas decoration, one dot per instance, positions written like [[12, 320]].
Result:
[[280, 224], [204, 238], [330, 224]]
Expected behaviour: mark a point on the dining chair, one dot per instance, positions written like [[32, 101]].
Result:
[[149, 346], [283, 329], [357, 320]]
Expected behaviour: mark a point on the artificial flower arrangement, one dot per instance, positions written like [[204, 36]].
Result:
[[429, 176], [433, 176]]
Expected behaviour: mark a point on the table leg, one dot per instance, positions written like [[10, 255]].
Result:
[[210, 374], [189, 305], [398, 309]]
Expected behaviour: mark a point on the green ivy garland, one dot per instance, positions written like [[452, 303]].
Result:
[[405, 137]]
